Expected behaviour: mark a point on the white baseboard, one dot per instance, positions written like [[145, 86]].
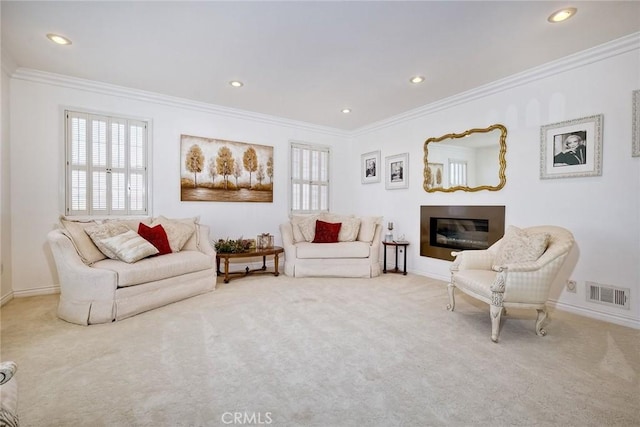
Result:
[[595, 314], [6, 298], [444, 278], [37, 291]]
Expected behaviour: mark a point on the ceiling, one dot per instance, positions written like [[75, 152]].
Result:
[[305, 60]]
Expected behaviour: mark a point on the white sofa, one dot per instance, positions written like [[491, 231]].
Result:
[[96, 289], [356, 254]]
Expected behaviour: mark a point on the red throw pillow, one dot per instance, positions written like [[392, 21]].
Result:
[[326, 232], [156, 236]]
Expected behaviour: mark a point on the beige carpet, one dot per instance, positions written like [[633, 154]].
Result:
[[321, 352]]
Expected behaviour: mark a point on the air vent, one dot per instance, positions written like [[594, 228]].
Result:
[[609, 295]]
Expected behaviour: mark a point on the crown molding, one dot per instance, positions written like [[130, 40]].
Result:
[[598, 53], [77, 83], [614, 48]]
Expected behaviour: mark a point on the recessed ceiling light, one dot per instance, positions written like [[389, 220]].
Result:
[[416, 79], [58, 39], [346, 110], [562, 15], [236, 83]]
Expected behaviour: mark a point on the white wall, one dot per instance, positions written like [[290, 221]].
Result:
[[602, 212], [37, 103], [6, 292]]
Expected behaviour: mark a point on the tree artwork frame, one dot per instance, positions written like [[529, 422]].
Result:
[[218, 170]]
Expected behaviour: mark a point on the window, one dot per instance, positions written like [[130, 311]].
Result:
[[457, 173], [106, 165], [309, 178]]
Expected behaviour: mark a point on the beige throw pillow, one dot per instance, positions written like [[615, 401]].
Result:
[[296, 220], [130, 246], [520, 246], [178, 231], [368, 228], [74, 230], [99, 233], [308, 228]]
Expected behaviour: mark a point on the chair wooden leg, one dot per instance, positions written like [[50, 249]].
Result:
[[542, 316], [452, 300], [495, 313]]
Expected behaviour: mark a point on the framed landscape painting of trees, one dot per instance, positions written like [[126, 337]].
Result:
[[217, 170]]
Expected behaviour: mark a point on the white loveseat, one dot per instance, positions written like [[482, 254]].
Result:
[[356, 254], [97, 289]]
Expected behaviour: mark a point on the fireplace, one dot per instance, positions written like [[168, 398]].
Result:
[[454, 228]]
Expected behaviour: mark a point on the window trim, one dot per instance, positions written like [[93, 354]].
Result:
[[65, 168], [315, 147]]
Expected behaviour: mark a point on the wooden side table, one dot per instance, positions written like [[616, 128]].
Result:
[[275, 251], [397, 245]]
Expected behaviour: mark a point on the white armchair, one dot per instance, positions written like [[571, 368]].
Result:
[[8, 395], [496, 277]]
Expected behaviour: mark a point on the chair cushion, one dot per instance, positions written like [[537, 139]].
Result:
[[476, 281], [520, 246]]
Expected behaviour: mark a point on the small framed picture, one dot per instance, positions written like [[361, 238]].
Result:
[[397, 171], [371, 167], [635, 150], [571, 149]]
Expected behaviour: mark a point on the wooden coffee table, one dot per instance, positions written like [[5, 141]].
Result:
[[275, 251]]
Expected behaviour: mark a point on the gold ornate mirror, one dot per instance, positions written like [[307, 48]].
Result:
[[473, 160]]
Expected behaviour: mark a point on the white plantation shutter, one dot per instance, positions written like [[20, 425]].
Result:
[[106, 165], [457, 173], [309, 178]]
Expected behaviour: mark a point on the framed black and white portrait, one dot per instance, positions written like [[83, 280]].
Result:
[[397, 171], [572, 148], [371, 167]]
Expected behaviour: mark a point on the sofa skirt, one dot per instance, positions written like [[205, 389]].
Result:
[[133, 300], [346, 267]]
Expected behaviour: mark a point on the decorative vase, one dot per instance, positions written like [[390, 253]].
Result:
[[264, 241]]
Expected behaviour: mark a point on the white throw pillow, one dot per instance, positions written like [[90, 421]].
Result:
[[520, 246], [99, 233], [130, 246]]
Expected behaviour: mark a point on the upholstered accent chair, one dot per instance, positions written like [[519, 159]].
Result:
[[8, 395], [517, 271]]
